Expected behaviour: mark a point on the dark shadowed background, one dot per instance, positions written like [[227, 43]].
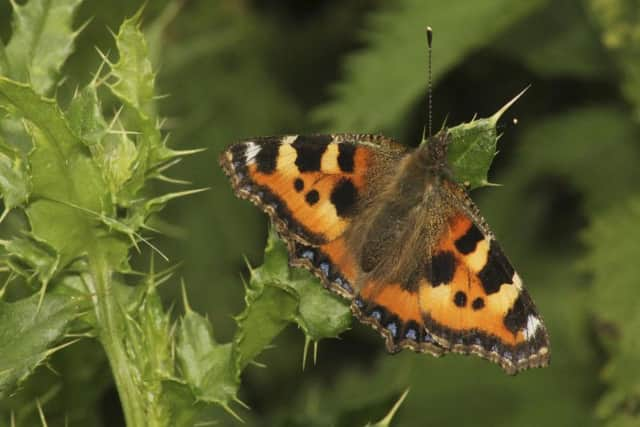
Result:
[[567, 213]]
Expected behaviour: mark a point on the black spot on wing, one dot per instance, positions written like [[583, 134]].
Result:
[[440, 268], [309, 151], [497, 271], [516, 317], [346, 153], [267, 157], [344, 196], [467, 243], [477, 303], [460, 299], [298, 184], [284, 215], [312, 197]]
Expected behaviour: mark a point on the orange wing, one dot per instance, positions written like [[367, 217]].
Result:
[[312, 187], [465, 298], [473, 300]]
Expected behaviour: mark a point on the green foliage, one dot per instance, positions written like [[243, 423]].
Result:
[[375, 76], [80, 172], [85, 174], [612, 238], [620, 24], [28, 332], [275, 296], [473, 147], [41, 40]]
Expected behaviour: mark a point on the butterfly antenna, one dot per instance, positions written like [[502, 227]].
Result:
[[429, 88]]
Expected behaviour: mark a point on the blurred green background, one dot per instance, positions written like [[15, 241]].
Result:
[[568, 213]]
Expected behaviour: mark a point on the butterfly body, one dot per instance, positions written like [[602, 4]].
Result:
[[388, 228]]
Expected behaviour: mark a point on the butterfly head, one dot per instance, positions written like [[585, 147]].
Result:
[[433, 151]]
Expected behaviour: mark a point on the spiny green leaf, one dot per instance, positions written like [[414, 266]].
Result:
[[320, 314], [134, 85], [268, 311], [113, 149], [32, 258], [63, 173], [376, 93], [28, 332], [14, 179], [85, 116], [186, 410], [207, 366], [119, 156], [42, 40], [133, 72], [473, 147], [277, 295], [149, 346]]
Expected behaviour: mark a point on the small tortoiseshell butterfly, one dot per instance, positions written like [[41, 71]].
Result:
[[388, 228]]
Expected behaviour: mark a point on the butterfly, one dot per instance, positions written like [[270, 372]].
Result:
[[388, 228]]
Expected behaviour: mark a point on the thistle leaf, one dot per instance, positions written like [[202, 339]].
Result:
[[206, 365], [28, 332], [277, 295], [42, 40], [473, 147], [14, 179]]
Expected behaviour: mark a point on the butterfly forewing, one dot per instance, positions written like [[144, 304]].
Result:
[[313, 187]]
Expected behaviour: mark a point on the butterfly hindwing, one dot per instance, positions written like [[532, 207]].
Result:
[[473, 301], [394, 310]]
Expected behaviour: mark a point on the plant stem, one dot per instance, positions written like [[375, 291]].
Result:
[[112, 336]]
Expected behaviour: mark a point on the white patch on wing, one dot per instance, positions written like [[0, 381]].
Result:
[[517, 281], [290, 139], [251, 152], [533, 324]]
